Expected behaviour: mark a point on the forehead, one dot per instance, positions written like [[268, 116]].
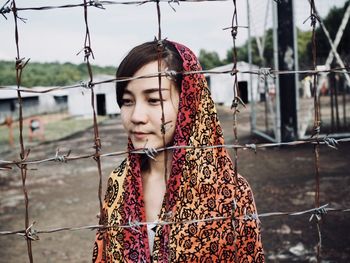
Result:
[[149, 68], [148, 83]]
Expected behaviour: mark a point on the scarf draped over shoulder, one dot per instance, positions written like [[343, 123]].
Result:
[[202, 188]]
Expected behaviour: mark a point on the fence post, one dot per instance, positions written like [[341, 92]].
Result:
[[286, 62]]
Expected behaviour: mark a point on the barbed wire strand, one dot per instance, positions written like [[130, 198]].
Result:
[[20, 64], [317, 123], [92, 3], [160, 50], [262, 72], [97, 141], [64, 158], [314, 212], [29, 232], [234, 107]]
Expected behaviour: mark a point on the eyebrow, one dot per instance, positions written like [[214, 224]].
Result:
[[146, 91], [152, 90]]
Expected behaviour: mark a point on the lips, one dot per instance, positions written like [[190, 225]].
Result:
[[139, 135]]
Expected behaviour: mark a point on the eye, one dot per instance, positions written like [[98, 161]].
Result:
[[127, 102], [154, 101]]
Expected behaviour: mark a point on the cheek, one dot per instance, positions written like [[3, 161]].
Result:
[[170, 112], [124, 117], [173, 112], [171, 115], [170, 133]]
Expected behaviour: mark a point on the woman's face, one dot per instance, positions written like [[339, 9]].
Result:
[[141, 110]]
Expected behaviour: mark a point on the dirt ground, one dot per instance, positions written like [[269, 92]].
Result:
[[283, 179]]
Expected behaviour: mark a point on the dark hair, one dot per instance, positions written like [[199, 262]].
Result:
[[144, 54]]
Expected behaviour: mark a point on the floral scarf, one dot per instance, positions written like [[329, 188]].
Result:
[[202, 188]]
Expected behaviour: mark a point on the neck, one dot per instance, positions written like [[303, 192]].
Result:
[[156, 167]]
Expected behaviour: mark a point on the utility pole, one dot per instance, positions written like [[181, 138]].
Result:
[[287, 56], [250, 61]]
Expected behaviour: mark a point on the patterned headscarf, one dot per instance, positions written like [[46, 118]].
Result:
[[205, 204]]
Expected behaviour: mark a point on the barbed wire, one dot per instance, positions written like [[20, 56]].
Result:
[[20, 65], [64, 158], [8, 7], [317, 121], [261, 72], [236, 102], [315, 214], [97, 141], [31, 234]]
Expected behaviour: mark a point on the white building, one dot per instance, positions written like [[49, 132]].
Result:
[[32, 103], [221, 85], [79, 99]]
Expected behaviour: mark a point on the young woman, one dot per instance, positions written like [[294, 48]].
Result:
[[179, 205]]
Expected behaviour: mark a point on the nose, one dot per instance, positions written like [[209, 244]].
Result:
[[139, 114]]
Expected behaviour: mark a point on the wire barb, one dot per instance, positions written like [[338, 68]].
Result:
[[20, 63], [265, 72], [30, 233], [170, 74], [5, 9], [331, 142], [135, 225], [317, 130], [150, 152], [251, 146], [96, 3], [173, 1], [318, 213], [236, 102], [61, 158]]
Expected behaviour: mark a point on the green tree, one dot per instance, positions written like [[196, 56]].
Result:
[[209, 59], [242, 54], [304, 39], [332, 22], [48, 74]]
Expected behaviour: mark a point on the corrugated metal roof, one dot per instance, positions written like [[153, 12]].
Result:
[[10, 92]]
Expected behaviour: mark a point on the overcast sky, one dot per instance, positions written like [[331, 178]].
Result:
[[58, 35]]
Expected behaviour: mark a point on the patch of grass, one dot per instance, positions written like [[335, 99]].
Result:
[[54, 129], [62, 128]]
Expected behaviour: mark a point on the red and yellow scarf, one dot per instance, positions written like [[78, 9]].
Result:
[[202, 186]]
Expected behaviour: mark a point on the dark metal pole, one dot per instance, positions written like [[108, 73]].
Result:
[[331, 90], [287, 61], [336, 88], [344, 104]]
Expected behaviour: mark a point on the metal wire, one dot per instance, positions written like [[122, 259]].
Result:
[[316, 213], [20, 64], [31, 234], [262, 72], [317, 123], [64, 158]]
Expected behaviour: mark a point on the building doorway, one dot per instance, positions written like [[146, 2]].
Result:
[[101, 104], [243, 91]]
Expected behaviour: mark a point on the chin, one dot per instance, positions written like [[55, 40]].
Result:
[[140, 145], [151, 142], [143, 144]]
